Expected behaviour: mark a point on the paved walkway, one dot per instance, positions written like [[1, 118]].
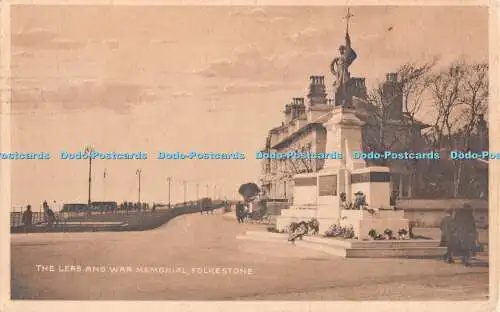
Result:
[[195, 243]]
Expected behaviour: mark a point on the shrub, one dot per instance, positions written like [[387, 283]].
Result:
[[375, 235], [388, 234], [403, 234], [340, 231]]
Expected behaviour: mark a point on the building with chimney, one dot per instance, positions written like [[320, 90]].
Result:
[[387, 127]]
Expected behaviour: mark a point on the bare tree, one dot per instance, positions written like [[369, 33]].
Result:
[[445, 88], [414, 80], [460, 96], [297, 165], [387, 129], [473, 99], [473, 104], [380, 130]]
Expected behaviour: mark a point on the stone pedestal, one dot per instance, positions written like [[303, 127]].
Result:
[[363, 221], [374, 182], [344, 135], [315, 195]]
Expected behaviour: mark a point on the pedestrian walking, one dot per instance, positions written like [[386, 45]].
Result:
[[27, 218], [240, 211], [466, 233], [447, 231], [48, 214]]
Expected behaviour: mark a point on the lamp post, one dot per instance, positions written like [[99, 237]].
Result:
[[185, 187], [89, 150], [139, 173], [198, 195], [104, 182]]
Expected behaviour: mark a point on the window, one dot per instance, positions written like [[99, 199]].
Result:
[[274, 165], [267, 168]]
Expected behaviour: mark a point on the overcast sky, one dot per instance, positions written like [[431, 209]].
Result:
[[129, 79]]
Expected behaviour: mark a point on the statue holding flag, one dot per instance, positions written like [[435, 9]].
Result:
[[340, 69]]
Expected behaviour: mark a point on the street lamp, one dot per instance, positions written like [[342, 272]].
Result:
[[197, 195], [185, 186], [138, 173], [89, 150], [104, 184], [169, 182]]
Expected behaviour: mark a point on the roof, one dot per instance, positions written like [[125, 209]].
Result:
[[277, 128], [304, 129]]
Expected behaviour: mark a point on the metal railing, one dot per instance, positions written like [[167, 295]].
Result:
[[63, 217], [17, 217]]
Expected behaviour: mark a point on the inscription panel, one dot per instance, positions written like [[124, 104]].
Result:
[[305, 182], [370, 177], [328, 185]]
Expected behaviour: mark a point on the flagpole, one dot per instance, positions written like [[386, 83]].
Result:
[[104, 185]]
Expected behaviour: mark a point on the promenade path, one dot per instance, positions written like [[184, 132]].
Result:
[[280, 271]]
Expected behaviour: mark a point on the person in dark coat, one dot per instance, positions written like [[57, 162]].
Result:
[[447, 230], [466, 233], [27, 217], [240, 211], [360, 200]]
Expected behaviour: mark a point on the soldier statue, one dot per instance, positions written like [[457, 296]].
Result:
[[340, 69]]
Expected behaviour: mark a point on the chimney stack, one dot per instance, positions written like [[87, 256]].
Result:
[[288, 113], [393, 94], [359, 87], [298, 108], [317, 93], [391, 77]]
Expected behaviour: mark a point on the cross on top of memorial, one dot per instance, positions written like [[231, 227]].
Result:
[[347, 18]]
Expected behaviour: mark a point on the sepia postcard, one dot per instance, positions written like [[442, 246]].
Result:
[[257, 153]]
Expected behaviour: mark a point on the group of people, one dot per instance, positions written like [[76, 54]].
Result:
[[242, 212], [48, 213], [459, 234], [129, 206], [206, 209], [359, 202]]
